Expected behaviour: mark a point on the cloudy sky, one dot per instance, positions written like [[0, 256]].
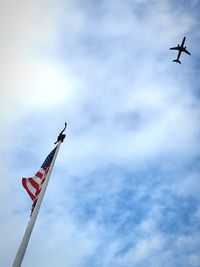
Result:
[[125, 188]]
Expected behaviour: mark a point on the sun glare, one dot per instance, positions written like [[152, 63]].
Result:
[[47, 84]]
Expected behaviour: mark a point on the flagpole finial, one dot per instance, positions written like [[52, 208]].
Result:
[[61, 136]]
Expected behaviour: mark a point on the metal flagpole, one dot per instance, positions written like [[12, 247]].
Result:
[[24, 243]]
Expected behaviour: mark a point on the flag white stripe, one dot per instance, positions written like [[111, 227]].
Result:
[[31, 188], [38, 180]]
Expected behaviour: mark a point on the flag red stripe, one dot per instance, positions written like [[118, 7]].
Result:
[[39, 174], [34, 183], [24, 183]]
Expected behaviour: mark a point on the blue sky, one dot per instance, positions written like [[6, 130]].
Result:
[[125, 187]]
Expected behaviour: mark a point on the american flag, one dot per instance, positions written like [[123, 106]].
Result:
[[33, 185]]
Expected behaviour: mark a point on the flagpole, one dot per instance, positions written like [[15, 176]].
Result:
[[24, 243]]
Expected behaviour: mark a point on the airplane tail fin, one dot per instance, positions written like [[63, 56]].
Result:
[[177, 61]]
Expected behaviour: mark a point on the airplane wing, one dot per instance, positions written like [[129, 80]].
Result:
[[185, 50], [175, 48]]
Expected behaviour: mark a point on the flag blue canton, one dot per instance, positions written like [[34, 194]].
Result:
[[48, 160]]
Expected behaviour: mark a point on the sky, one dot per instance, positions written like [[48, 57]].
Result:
[[124, 191]]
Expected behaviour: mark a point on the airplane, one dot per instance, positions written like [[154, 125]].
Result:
[[180, 49]]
